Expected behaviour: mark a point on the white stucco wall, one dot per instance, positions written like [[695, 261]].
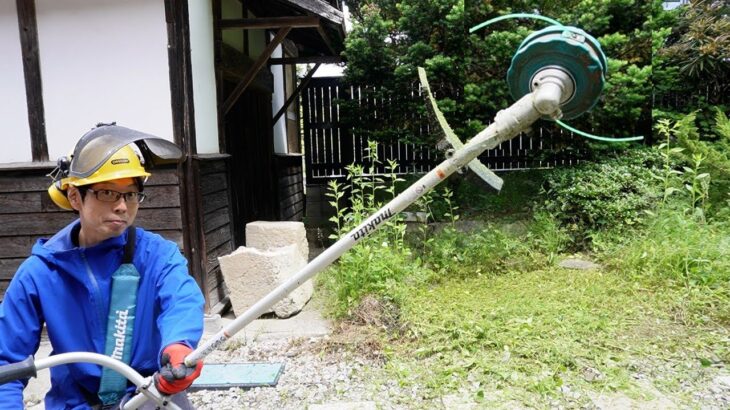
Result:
[[277, 101], [103, 60], [203, 65], [13, 105]]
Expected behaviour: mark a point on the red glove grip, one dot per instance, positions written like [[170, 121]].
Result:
[[174, 376]]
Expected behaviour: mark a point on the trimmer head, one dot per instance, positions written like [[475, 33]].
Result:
[[568, 48]]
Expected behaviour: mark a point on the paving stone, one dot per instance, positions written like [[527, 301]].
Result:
[[579, 264]]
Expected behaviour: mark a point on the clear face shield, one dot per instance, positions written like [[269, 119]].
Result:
[[99, 144]]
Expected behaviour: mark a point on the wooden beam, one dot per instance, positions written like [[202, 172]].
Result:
[[326, 39], [28, 28], [321, 9], [296, 93], [183, 120], [306, 60], [270, 23], [218, 59], [245, 13], [257, 65]]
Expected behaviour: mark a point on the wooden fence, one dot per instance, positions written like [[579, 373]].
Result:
[[676, 101], [330, 145]]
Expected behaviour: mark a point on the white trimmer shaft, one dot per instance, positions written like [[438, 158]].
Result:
[[507, 124]]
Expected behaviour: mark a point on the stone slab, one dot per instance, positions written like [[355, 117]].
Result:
[[250, 274], [266, 235], [578, 264], [308, 323]]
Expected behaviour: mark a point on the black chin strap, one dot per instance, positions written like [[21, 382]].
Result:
[[129, 246]]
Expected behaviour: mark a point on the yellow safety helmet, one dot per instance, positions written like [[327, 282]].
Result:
[[106, 153], [122, 164]]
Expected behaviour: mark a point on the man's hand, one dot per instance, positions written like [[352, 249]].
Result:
[[174, 376]]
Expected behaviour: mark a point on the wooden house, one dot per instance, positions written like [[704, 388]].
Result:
[[217, 77]]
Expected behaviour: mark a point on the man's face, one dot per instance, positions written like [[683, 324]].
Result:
[[103, 220]]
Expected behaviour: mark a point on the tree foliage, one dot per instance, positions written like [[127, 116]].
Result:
[[652, 53], [388, 42], [468, 71], [699, 45]]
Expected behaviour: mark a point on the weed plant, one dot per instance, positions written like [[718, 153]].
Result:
[[389, 264], [679, 246], [704, 157], [683, 250]]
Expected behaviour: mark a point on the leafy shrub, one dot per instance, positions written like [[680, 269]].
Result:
[[611, 194], [515, 199]]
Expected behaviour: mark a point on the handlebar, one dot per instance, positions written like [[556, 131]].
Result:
[[145, 386], [15, 371]]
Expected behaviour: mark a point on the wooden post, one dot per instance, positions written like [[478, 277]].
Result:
[[183, 120], [32, 71]]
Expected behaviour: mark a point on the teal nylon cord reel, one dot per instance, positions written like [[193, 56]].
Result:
[[559, 50], [564, 48]]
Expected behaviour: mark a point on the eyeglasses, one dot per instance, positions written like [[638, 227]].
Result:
[[107, 195]]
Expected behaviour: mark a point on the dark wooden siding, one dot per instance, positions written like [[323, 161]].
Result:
[[290, 181], [217, 225], [27, 213]]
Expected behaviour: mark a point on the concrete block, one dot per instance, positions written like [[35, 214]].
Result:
[[251, 273], [267, 235]]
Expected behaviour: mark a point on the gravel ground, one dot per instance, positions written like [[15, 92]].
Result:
[[316, 372], [319, 371]]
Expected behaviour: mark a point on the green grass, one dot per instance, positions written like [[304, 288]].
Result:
[[487, 313], [528, 334]]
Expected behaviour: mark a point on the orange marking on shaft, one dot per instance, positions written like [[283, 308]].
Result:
[[440, 173]]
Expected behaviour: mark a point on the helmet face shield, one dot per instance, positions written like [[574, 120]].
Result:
[[159, 151], [124, 163], [99, 144], [110, 152]]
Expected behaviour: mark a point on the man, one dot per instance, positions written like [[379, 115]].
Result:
[[70, 281]]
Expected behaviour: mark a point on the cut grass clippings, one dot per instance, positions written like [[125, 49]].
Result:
[[528, 334]]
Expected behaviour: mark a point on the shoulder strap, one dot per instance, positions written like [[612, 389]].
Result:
[[129, 246], [120, 322]]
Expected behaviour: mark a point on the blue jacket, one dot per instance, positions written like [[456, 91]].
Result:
[[68, 288]]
